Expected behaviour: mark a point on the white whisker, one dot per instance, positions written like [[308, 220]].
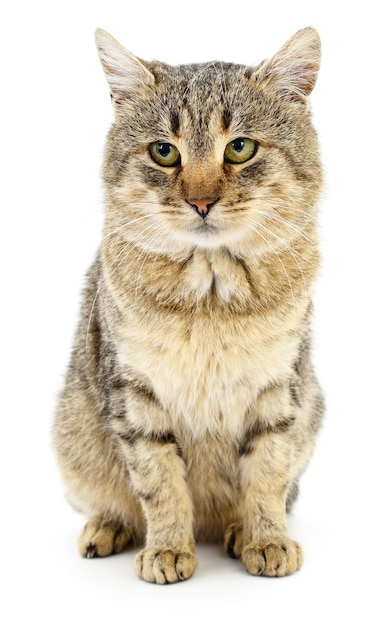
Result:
[[153, 240], [289, 224], [255, 228], [120, 257]]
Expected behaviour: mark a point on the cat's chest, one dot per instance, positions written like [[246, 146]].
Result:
[[205, 372]]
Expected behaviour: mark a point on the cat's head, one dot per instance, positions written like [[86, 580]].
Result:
[[212, 154]]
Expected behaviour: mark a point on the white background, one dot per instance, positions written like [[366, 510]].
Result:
[[55, 112]]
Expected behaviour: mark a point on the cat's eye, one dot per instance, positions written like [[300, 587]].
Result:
[[165, 154], [239, 150]]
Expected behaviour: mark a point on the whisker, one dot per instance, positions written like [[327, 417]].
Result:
[[301, 207], [91, 312], [291, 226], [294, 253], [157, 237], [127, 224], [255, 228], [99, 287], [121, 258]]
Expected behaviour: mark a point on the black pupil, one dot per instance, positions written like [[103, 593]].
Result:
[[164, 149], [238, 145]]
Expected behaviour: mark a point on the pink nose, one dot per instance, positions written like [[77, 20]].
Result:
[[202, 205]]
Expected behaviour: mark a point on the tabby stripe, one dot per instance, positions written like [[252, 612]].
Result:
[[247, 444], [133, 436], [174, 119], [294, 394], [144, 391], [226, 119]]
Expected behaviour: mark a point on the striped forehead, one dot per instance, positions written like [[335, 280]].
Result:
[[201, 108], [204, 85]]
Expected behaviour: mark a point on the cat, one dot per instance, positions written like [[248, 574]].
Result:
[[190, 406]]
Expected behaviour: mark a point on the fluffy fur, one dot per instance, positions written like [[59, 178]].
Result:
[[190, 407]]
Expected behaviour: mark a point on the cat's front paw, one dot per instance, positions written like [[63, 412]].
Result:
[[157, 565], [274, 558]]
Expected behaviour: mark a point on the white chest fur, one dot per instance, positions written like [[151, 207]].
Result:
[[207, 373]]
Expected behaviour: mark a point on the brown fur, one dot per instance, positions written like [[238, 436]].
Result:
[[190, 407]]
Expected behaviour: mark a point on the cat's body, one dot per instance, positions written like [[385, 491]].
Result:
[[190, 407]]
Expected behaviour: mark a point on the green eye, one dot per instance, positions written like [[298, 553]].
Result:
[[239, 150], [165, 154]]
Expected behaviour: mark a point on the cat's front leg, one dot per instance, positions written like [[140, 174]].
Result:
[[157, 474], [266, 475]]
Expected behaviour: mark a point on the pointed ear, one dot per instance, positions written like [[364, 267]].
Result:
[[125, 73], [293, 70]]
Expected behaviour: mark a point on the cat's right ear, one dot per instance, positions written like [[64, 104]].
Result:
[[125, 73]]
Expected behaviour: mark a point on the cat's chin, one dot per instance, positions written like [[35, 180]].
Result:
[[211, 238]]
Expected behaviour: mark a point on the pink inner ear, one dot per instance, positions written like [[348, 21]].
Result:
[[305, 79], [294, 68]]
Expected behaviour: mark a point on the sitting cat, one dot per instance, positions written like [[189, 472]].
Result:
[[190, 407]]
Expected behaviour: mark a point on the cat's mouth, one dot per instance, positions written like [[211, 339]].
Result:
[[211, 231], [206, 228], [207, 233], [210, 235]]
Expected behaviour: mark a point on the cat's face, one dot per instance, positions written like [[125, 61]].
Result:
[[211, 155]]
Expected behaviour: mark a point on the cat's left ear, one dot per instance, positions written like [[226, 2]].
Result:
[[126, 74], [293, 70]]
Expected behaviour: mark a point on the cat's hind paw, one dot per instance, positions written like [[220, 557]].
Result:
[[102, 536], [161, 566], [274, 558], [233, 540]]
